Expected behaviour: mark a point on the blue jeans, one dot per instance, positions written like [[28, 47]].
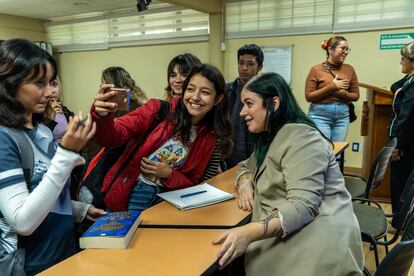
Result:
[[143, 196], [331, 118]]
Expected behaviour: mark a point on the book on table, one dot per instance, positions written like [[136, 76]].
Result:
[[195, 196], [113, 230]]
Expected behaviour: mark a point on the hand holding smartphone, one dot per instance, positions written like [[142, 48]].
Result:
[[122, 98]]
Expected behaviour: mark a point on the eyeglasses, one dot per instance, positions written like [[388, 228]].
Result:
[[54, 84], [344, 49]]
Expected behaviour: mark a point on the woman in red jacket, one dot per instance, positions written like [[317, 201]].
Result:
[[176, 153]]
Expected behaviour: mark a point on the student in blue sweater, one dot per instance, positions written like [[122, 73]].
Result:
[[37, 216]]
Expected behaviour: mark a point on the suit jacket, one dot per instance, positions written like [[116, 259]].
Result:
[[301, 178], [401, 124]]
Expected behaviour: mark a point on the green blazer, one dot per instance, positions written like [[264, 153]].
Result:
[[301, 178]]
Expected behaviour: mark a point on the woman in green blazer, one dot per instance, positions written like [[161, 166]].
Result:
[[303, 222]]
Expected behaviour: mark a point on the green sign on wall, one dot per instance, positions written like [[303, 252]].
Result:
[[395, 41]]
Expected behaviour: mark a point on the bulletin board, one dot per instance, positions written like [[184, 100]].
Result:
[[279, 60]]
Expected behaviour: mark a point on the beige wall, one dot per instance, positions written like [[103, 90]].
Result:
[[380, 68], [80, 72], [21, 27]]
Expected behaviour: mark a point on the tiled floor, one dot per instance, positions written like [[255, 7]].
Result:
[[369, 255]]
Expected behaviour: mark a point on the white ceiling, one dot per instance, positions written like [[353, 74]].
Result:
[[49, 9]]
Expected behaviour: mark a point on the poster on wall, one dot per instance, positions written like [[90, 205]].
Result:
[[395, 41], [278, 60]]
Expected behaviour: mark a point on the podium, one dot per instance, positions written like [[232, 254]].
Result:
[[377, 112]]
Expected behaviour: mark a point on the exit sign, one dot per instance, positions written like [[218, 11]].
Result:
[[395, 41]]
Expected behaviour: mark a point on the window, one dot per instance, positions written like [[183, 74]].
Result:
[[162, 23], [352, 15], [251, 18], [277, 17], [79, 33]]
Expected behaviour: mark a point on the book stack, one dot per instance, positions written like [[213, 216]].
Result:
[[113, 230]]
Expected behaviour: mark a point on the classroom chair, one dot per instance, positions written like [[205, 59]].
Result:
[[358, 187], [373, 221]]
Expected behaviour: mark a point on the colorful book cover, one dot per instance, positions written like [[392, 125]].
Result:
[[173, 152], [115, 224]]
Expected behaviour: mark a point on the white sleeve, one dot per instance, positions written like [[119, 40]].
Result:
[[25, 211], [79, 210]]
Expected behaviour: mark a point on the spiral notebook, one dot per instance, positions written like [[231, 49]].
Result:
[[195, 196]]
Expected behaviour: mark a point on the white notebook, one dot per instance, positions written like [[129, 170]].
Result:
[[195, 196]]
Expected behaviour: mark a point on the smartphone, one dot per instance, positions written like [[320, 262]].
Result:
[[122, 98]]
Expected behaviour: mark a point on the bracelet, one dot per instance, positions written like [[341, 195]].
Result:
[[266, 220], [242, 186], [238, 175], [65, 148]]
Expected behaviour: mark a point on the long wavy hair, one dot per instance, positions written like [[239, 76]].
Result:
[[267, 86], [21, 61], [120, 77], [184, 64], [217, 119]]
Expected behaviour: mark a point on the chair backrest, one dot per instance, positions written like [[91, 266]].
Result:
[[398, 261], [409, 228], [406, 204], [379, 166]]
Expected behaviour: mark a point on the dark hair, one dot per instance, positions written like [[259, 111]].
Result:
[[20, 61], [184, 63], [251, 49], [217, 119], [332, 43], [267, 86], [120, 77]]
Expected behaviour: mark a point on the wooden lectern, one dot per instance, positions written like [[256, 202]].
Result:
[[380, 112]]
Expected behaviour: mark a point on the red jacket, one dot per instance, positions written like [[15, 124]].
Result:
[[130, 128]]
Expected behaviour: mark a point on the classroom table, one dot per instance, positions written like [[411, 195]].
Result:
[[218, 216], [339, 149], [151, 252], [158, 248]]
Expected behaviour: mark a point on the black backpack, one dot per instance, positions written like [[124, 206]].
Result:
[[91, 185]]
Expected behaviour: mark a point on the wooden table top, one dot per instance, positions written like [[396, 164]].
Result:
[[339, 147], [155, 251], [221, 215], [151, 252]]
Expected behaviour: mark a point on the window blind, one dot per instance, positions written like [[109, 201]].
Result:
[[252, 18], [160, 25], [358, 15], [127, 27], [277, 17]]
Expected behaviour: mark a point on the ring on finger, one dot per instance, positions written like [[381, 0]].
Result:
[[82, 121]]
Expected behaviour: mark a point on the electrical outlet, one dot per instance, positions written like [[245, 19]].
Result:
[[355, 147]]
